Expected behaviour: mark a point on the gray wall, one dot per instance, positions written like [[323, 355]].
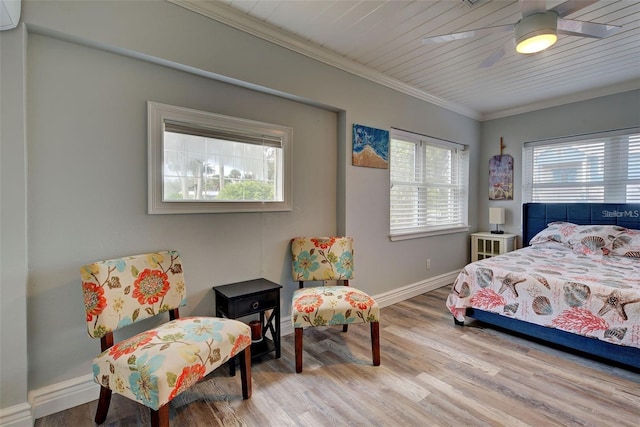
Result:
[[79, 194], [595, 115]]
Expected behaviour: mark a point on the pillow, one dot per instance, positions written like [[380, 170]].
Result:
[[558, 231], [594, 239], [626, 243]]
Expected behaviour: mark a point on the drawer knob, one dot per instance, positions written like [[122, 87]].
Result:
[[255, 305]]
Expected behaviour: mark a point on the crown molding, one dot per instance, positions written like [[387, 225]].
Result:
[[564, 100], [243, 22]]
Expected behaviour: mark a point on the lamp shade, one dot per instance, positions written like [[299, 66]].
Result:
[[496, 216]]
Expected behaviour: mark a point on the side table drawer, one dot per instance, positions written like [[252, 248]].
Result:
[[240, 299], [252, 304]]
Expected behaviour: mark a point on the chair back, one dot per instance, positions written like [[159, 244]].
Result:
[[119, 292], [322, 258]]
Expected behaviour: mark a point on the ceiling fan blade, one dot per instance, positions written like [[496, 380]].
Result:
[[493, 58], [528, 7], [466, 34], [497, 54], [572, 6], [586, 29]]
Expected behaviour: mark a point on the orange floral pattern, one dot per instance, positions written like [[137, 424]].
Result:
[[94, 300], [130, 345], [241, 342], [308, 303], [324, 243], [189, 376], [150, 286], [359, 300]]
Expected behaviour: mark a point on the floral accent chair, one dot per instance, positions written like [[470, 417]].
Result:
[[156, 365], [321, 259]]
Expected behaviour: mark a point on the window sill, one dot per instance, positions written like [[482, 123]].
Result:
[[418, 234]]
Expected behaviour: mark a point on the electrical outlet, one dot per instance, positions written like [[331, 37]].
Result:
[[428, 263]]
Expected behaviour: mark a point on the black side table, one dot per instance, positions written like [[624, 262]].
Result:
[[253, 296]]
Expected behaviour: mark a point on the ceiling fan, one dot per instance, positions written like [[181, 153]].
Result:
[[538, 28]]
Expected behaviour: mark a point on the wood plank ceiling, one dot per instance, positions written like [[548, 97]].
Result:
[[381, 40]]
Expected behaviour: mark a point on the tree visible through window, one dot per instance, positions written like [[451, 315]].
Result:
[[202, 168]]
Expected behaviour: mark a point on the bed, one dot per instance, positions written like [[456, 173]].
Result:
[[577, 285]]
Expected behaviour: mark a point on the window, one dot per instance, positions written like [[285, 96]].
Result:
[[202, 162], [586, 168], [429, 184]]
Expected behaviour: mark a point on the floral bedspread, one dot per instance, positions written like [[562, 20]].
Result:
[[552, 285]]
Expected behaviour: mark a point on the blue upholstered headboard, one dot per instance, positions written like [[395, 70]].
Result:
[[536, 216]]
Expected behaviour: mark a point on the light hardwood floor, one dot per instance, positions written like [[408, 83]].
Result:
[[433, 373]]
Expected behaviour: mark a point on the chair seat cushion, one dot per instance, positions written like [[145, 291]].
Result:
[[332, 305], [140, 368]]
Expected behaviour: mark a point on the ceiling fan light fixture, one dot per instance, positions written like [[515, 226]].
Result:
[[537, 43], [536, 32]]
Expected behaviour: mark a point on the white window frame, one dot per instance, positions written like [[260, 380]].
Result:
[[598, 168], [422, 228], [161, 114]]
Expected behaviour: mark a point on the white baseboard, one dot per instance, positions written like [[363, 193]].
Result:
[[67, 394], [404, 293], [64, 395], [17, 416]]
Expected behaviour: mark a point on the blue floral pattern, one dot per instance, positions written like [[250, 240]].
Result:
[[305, 264]]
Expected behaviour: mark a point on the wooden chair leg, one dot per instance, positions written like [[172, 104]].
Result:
[[298, 349], [160, 418], [375, 342], [245, 372], [103, 405]]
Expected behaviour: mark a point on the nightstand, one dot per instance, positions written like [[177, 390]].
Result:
[[253, 297], [486, 244]]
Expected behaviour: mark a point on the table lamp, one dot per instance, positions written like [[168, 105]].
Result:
[[496, 217]]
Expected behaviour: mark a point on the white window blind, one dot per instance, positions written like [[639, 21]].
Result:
[[428, 184], [589, 168]]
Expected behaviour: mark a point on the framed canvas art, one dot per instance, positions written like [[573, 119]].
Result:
[[370, 147]]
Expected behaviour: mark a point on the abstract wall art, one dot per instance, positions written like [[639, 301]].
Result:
[[370, 147]]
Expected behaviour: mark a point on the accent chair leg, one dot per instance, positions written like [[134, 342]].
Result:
[[375, 342], [103, 405], [298, 349], [245, 372], [160, 418]]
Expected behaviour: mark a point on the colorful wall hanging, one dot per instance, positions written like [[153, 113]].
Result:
[[501, 176]]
